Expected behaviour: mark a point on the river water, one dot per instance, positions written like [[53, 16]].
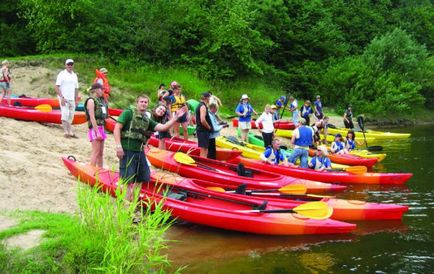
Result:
[[376, 247]]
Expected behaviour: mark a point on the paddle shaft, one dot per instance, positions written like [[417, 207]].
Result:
[[283, 111], [217, 197]]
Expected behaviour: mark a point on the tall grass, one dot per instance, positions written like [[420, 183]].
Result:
[[101, 237]]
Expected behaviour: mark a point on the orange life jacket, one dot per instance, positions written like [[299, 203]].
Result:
[[105, 83]]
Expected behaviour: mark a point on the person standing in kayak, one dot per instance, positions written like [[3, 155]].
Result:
[[267, 130], [203, 124], [318, 108], [302, 138], [5, 82], [320, 162], [348, 118], [273, 156], [96, 113], [131, 134], [67, 91], [244, 111]]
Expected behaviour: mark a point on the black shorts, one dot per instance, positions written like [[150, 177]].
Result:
[[202, 138], [182, 119], [163, 134]]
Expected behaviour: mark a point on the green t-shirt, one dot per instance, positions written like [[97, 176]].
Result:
[[132, 144]]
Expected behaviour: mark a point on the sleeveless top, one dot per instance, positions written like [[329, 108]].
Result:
[[100, 111], [199, 126]]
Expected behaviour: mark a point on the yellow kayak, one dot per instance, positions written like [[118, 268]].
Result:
[[366, 154], [330, 138], [223, 142], [289, 151], [370, 134]]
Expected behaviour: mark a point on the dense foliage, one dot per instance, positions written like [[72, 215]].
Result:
[[345, 48]]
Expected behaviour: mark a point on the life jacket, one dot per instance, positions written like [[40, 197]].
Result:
[[338, 146], [100, 110], [306, 110], [178, 103], [350, 144], [319, 162], [305, 139], [138, 127], [105, 83], [274, 155]]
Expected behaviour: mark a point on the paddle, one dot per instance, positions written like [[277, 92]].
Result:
[[351, 169], [361, 123], [283, 111], [183, 158], [288, 189], [314, 210], [285, 194], [44, 108]]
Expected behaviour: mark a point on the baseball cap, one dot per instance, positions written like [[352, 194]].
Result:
[[206, 94], [244, 97], [69, 61], [95, 86]]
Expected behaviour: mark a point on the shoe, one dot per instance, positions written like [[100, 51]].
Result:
[[66, 135], [73, 136]]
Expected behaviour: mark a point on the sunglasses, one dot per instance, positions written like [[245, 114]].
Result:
[[70, 64]]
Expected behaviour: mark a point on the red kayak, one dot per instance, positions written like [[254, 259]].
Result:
[[279, 125], [219, 210], [343, 210], [31, 114], [110, 124], [329, 177], [176, 144], [32, 101], [225, 173], [348, 159]]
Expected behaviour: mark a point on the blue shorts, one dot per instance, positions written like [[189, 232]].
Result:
[[133, 167]]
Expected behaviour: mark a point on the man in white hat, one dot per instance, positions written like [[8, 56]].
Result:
[[67, 92]]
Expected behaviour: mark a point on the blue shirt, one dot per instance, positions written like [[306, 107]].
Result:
[[337, 146], [305, 136], [350, 144], [306, 111], [242, 108]]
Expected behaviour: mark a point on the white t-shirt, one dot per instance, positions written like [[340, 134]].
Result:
[[67, 83], [267, 122]]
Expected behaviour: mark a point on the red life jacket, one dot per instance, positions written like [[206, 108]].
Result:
[[105, 83]]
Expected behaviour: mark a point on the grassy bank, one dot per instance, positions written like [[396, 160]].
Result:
[[100, 238]]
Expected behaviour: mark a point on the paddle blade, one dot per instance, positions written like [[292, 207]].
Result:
[[293, 189], [314, 210], [44, 108], [183, 158], [216, 189], [356, 169]]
